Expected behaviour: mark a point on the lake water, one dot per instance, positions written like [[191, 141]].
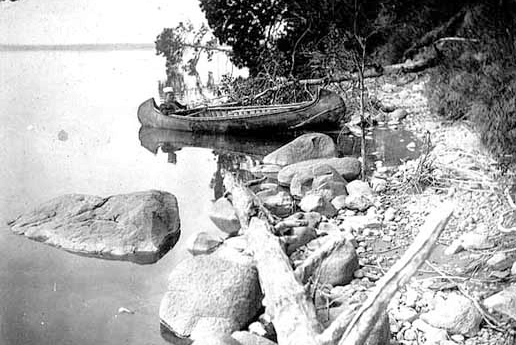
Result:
[[68, 125]]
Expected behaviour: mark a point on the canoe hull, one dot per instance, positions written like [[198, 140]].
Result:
[[326, 110]]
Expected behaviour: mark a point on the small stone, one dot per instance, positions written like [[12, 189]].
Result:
[[411, 297], [339, 202], [359, 188], [503, 302], [317, 203], [458, 338], [473, 240], [378, 185], [410, 334], [454, 248], [405, 314], [513, 269], [358, 202], [389, 214], [359, 273], [62, 135], [499, 261], [386, 238]]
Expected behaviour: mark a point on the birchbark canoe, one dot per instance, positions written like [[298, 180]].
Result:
[[325, 110]]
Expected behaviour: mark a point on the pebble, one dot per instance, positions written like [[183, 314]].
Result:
[[389, 214], [513, 269], [458, 338], [359, 273], [410, 334]]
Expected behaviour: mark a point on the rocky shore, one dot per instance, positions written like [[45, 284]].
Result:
[[337, 235]]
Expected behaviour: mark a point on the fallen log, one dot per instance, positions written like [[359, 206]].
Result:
[[287, 302], [357, 331]]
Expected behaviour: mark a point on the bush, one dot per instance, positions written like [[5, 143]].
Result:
[[477, 80]]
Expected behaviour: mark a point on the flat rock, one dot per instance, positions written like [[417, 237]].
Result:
[[456, 314], [307, 146], [347, 167], [215, 293], [139, 227], [503, 302]]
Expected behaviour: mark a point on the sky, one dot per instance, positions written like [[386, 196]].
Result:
[[91, 21]]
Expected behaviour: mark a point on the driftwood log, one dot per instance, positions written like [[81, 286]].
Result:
[[287, 301]]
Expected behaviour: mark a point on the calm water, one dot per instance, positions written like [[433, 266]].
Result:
[[68, 125]]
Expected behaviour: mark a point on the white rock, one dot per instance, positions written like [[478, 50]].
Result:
[[389, 214], [457, 314], [503, 302]]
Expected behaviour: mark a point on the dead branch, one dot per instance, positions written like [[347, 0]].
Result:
[[364, 320]]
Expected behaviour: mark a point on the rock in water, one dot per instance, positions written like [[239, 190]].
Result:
[[307, 146], [202, 243], [223, 215], [139, 227], [215, 293], [347, 167]]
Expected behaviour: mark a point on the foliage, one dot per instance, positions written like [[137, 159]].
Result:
[[477, 80]]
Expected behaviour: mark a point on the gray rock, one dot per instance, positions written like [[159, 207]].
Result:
[[279, 203], [248, 338], [457, 314], [347, 167], [338, 268], [307, 146], [378, 185], [398, 114], [358, 202], [323, 177], [313, 218], [202, 243], [389, 214], [297, 237], [339, 202], [216, 293], [359, 188], [503, 302], [499, 261], [317, 203], [139, 227], [432, 333], [223, 215]]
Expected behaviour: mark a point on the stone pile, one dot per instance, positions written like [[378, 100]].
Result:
[[315, 197]]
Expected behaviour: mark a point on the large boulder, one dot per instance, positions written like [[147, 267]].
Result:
[[347, 167], [139, 227], [307, 146], [215, 293]]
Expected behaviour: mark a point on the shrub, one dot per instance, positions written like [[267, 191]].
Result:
[[477, 80]]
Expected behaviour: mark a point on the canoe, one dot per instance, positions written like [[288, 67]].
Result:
[[325, 110]]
